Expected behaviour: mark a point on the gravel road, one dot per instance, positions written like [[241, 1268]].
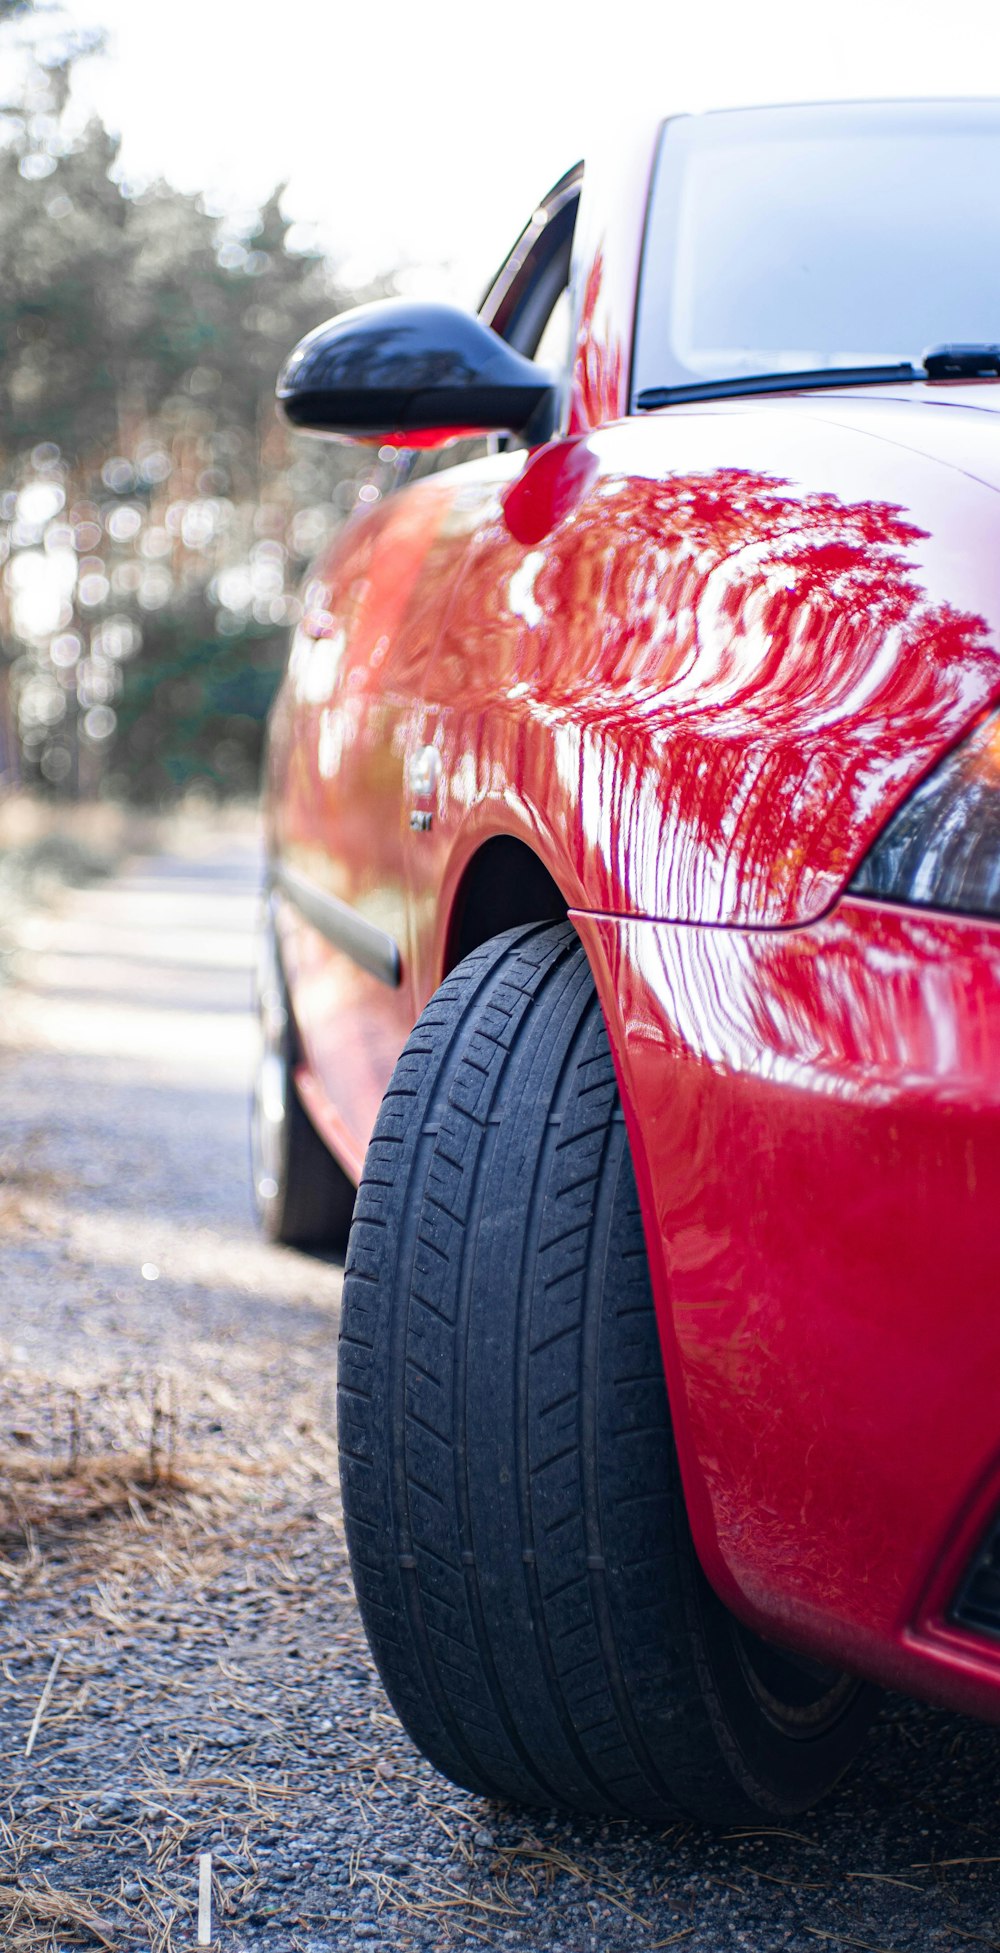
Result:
[[171, 1557]]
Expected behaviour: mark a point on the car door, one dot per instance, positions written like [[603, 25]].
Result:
[[338, 756]]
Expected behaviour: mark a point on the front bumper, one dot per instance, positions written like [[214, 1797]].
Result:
[[815, 1118]]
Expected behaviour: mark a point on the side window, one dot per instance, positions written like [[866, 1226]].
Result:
[[528, 298], [528, 304]]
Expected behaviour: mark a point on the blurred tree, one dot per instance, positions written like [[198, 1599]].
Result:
[[154, 516]]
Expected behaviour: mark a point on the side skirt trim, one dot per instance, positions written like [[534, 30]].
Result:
[[362, 941]]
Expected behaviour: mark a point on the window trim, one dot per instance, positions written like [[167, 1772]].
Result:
[[534, 273]]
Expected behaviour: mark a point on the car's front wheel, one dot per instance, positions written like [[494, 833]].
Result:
[[513, 1505]]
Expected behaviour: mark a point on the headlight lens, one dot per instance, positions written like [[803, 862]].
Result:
[[941, 849]]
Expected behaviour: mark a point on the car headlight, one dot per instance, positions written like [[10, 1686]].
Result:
[[941, 849]]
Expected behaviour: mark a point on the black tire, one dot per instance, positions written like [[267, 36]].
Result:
[[513, 1507], [303, 1197]]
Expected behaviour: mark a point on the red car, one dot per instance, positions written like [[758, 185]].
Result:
[[633, 809]]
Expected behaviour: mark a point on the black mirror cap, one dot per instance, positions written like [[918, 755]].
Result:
[[411, 374]]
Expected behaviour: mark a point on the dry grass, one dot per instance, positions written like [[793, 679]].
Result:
[[33, 1915], [40, 1495], [61, 1474], [114, 1554]]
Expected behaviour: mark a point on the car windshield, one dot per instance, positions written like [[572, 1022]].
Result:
[[795, 240]]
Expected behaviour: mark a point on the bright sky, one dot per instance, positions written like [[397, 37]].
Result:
[[423, 131]]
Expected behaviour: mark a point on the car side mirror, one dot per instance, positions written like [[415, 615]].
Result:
[[413, 374]]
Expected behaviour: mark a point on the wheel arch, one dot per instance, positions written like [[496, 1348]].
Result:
[[504, 883]]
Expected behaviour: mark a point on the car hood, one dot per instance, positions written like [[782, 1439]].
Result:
[[956, 422]]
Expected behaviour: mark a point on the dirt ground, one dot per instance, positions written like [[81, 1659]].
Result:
[[182, 1670]]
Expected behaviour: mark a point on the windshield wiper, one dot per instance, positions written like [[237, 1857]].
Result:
[[824, 376], [937, 363]]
